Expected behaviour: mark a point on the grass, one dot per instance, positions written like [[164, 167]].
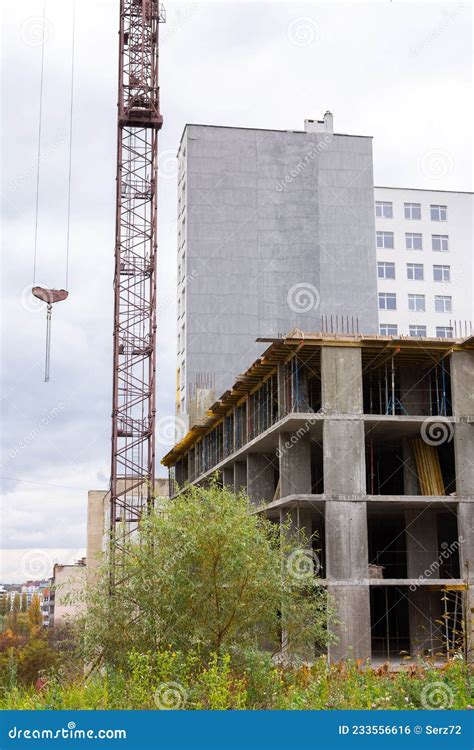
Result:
[[246, 681]]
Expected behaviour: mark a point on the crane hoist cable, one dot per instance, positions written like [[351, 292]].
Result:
[[50, 296]]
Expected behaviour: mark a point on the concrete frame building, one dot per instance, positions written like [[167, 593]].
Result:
[[277, 230], [368, 441]]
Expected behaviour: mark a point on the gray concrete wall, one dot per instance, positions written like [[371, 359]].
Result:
[[295, 464], [279, 230]]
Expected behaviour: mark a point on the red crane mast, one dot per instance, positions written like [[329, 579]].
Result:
[[134, 345]]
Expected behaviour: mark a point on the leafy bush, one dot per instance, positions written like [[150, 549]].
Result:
[[206, 576]]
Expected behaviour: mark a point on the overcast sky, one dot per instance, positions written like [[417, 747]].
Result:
[[400, 72]]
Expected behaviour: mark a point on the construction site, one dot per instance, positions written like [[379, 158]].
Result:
[[289, 387], [367, 442]]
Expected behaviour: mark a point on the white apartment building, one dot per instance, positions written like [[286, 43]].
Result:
[[424, 261]]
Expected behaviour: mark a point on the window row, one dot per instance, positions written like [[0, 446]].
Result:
[[391, 329], [415, 271], [413, 241], [384, 210], [416, 302]]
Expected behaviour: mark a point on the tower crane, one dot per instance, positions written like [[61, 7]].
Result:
[[134, 339]]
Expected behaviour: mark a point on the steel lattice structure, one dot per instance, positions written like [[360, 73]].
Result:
[[133, 414]]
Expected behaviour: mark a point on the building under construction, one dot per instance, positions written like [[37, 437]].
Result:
[[367, 441]]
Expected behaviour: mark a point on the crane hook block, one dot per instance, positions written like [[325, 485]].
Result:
[[50, 295]]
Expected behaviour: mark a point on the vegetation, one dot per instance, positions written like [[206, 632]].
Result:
[[207, 576], [245, 680], [215, 611]]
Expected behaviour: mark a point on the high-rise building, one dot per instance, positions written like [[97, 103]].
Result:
[[275, 232], [424, 262], [280, 230]]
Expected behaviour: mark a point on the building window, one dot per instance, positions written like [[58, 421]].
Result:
[[387, 301], [183, 375], [384, 209], [417, 330], [439, 213], [443, 304], [415, 271], [412, 210], [388, 329], [179, 342], [416, 302], [385, 240], [444, 332], [413, 241], [386, 270], [441, 273], [440, 243]]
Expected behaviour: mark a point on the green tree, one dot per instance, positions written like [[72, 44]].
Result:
[[208, 575], [24, 602], [35, 617], [3, 604]]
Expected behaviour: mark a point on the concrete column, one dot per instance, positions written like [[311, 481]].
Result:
[[352, 610], [464, 459], [295, 463], [421, 536], [300, 519], [346, 540], [466, 559], [462, 383], [341, 380], [240, 476], [347, 576], [462, 387], [411, 482], [414, 391], [228, 477], [260, 478], [344, 457]]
